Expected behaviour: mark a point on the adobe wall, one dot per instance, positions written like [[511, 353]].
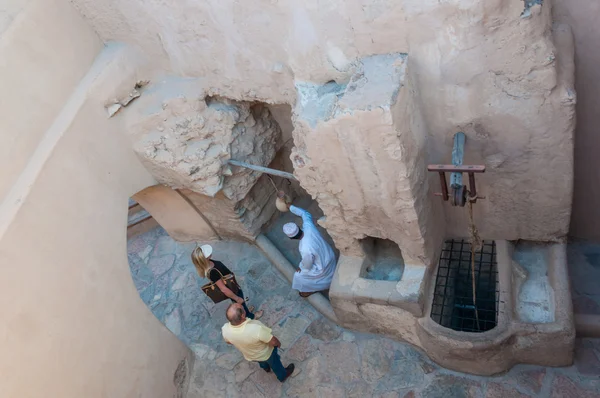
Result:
[[39, 71], [489, 68], [583, 18], [73, 324]]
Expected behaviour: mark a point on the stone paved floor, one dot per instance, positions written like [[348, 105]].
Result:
[[331, 362], [584, 269]]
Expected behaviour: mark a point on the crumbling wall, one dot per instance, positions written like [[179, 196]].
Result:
[[187, 142], [489, 68], [358, 155], [185, 137]]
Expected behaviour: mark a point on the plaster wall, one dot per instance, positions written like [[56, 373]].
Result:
[[491, 69], [37, 74], [175, 214], [364, 160], [74, 325], [583, 18]]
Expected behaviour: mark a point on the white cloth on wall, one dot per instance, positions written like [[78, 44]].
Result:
[[318, 259]]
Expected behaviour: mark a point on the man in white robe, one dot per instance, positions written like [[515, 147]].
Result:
[[318, 262]]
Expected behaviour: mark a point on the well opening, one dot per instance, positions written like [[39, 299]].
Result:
[[384, 260], [453, 305]]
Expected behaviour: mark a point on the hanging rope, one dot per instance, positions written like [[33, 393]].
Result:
[[475, 246]]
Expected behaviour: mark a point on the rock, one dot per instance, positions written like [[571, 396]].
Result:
[[160, 265], [376, 360], [342, 360], [347, 336], [267, 383], [200, 350], [188, 142], [143, 278], [184, 280], [173, 322], [451, 386], [428, 368], [256, 268], [331, 391], [586, 360], [563, 387], [302, 349], [388, 394], [360, 390], [164, 245], [136, 245], [531, 380], [276, 308], [323, 329], [301, 391], [290, 330], [269, 281], [244, 369], [147, 294], [305, 384], [250, 390], [230, 360], [144, 253], [404, 374], [497, 390]]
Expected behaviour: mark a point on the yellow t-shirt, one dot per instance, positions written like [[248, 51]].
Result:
[[251, 338]]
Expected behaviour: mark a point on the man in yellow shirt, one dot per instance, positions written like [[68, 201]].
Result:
[[255, 341]]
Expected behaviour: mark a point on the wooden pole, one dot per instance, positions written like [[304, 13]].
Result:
[[265, 170]]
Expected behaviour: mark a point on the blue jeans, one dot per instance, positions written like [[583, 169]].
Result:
[[248, 313], [274, 364]]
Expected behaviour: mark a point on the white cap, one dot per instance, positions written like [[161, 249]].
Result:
[[291, 229], [206, 250]]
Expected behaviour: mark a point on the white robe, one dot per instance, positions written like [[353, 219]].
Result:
[[318, 259]]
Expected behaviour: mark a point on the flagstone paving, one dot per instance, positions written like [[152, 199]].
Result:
[[330, 361]]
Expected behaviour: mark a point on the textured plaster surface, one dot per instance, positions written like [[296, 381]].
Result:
[[185, 139], [536, 296], [331, 361], [496, 70], [583, 17], [373, 184], [75, 319], [39, 71]]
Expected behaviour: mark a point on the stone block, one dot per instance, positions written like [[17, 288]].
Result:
[[186, 139], [323, 329]]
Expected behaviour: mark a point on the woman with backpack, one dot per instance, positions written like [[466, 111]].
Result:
[[221, 277]]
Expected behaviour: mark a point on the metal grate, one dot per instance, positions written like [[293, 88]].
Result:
[[453, 298]]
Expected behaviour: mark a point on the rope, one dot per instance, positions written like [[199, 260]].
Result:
[[475, 245]]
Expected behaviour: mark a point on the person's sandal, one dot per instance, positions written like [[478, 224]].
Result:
[[258, 315], [251, 308]]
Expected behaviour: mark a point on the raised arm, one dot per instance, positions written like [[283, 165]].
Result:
[[306, 216]]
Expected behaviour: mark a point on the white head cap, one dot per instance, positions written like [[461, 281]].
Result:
[[291, 229], [206, 250]]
